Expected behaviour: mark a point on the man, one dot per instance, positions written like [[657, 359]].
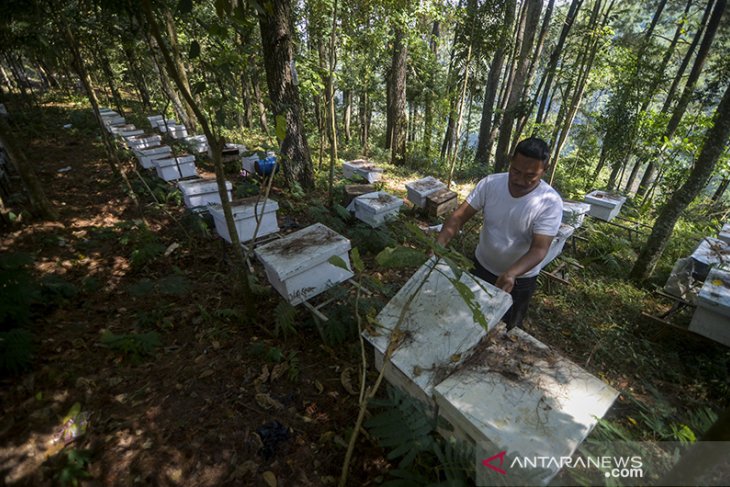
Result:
[[522, 214]]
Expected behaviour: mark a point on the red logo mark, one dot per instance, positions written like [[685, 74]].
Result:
[[488, 462]]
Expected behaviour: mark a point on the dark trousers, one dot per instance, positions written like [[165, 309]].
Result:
[[521, 294]]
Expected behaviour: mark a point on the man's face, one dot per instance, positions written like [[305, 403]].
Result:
[[524, 174]]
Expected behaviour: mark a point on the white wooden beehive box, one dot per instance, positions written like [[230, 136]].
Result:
[[520, 395], [362, 169], [177, 131], [174, 168], [146, 156], [420, 189], [574, 212], [155, 120], [710, 252], [245, 213], [197, 143], [558, 243], [712, 315], [117, 128], [143, 142], [298, 265], [376, 208], [604, 206], [165, 123], [202, 192], [438, 329], [724, 234]]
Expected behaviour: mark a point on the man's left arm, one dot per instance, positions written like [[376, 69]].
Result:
[[538, 250]]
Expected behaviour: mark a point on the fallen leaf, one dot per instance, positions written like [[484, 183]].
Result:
[[278, 371], [171, 249], [270, 478], [206, 373], [346, 380], [319, 386], [264, 376], [456, 357], [267, 402]]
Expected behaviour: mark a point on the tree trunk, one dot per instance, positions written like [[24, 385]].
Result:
[[714, 146], [720, 191], [41, 206], [364, 113], [428, 109], [179, 64], [398, 77], [109, 75], [216, 147], [553, 62], [277, 43], [687, 93], [485, 141], [533, 66], [332, 114], [347, 114], [137, 75], [258, 98], [532, 17]]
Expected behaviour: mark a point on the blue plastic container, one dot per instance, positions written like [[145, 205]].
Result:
[[266, 166]]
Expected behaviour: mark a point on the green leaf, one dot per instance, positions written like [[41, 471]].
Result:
[[280, 127], [468, 296], [357, 261], [194, 50], [336, 260], [185, 7], [395, 257]]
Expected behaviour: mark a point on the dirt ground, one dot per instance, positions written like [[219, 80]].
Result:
[[189, 413]]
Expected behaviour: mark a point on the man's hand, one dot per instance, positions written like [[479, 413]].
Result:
[[505, 282]]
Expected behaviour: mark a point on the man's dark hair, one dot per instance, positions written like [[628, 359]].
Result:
[[534, 148]]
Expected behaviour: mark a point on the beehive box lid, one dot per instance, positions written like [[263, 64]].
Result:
[[712, 251], [170, 161], [302, 250], [575, 207], [194, 187], [439, 328], [149, 151], [244, 208], [425, 186], [378, 202], [524, 397], [604, 198], [565, 231], [715, 292]]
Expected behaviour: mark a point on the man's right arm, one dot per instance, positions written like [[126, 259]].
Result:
[[455, 222]]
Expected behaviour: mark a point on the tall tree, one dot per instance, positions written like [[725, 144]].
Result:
[[278, 47], [532, 17], [687, 92], [714, 146], [398, 97], [485, 141]]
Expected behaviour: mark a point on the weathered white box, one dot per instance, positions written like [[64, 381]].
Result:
[[177, 131], [245, 213], [155, 120], [164, 124], [709, 253], [419, 190], [248, 163], [298, 265], [143, 142], [129, 133], [146, 156], [438, 330], [376, 208], [117, 128], [574, 212], [361, 168], [174, 168], [712, 315], [724, 234], [523, 397], [201, 192], [604, 206], [558, 243], [197, 143]]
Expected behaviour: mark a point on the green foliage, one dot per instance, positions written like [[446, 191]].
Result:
[[132, 345], [399, 256], [74, 468], [170, 285], [144, 243], [371, 240], [285, 323], [18, 290], [16, 350], [57, 290]]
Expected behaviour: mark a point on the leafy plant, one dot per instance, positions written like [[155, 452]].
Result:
[[75, 467], [284, 323], [145, 244], [132, 345], [18, 290]]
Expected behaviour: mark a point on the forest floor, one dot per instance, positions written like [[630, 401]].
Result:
[[187, 391]]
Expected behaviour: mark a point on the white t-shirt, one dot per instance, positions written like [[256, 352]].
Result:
[[509, 222]]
